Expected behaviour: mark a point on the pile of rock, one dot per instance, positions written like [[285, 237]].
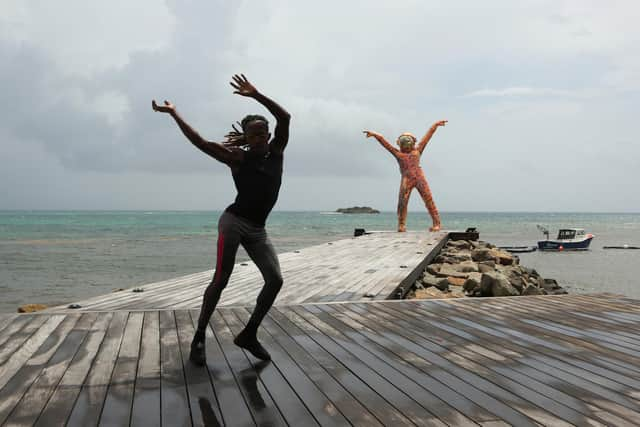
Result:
[[479, 269], [31, 308]]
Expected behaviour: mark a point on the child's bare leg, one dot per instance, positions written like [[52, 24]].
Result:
[[403, 202], [425, 193]]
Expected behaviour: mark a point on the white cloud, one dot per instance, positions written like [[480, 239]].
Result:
[[518, 91], [82, 37], [520, 82]]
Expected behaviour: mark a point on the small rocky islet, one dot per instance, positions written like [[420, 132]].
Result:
[[358, 210], [466, 268]]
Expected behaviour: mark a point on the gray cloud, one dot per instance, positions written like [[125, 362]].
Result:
[[524, 90]]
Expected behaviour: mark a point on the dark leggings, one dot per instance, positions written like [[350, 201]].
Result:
[[234, 231]]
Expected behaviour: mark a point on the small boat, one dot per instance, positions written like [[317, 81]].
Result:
[[573, 239], [519, 249]]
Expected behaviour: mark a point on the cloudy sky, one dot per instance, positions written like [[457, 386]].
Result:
[[542, 99]]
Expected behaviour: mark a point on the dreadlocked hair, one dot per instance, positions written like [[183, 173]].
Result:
[[253, 118]]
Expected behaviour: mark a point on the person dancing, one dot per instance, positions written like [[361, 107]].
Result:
[[256, 166], [408, 158]]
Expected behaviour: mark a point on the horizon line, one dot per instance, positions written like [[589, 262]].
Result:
[[314, 211]]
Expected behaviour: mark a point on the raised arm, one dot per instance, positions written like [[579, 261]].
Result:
[[219, 152], [425, 139], [382, 141], [243, 87]]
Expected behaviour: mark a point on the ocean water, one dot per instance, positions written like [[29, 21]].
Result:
[[58, 257]]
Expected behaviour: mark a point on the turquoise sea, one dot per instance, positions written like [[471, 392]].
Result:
[[57, 257]]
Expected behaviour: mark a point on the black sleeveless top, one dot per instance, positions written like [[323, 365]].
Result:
[[257, 180]]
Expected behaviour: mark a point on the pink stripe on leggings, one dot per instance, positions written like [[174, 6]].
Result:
[[220, 253]]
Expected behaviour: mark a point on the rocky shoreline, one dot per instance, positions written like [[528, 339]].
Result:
[[466, 268]]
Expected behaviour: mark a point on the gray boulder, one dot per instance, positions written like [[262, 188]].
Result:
[[551, 286], [551, 282], [444, 259], [530, 272], [486, 266], [459, 244], [446, 270], [482, 254], [428, 279], [459, 256], [497, 285], [452, 257], [533, 290], [434, 268], [515, 276], [467, 267], [442, 284], [472, 283]]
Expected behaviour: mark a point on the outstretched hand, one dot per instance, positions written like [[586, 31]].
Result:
[[166, 108], [441, 123], [370, 133], [242, 86]]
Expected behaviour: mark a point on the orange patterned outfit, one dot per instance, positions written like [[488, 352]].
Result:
[[408, 158]]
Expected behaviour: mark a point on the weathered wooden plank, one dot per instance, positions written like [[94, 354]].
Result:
[[558, 308], [564, 343], [288, 403], [202, 398], [454, 408], [352, 374], [256, 395], [588, 329], [5, 319], [18, 333], [146, 395], [122, 299], [59, 406], [151, 290], [22, 368], [353, 411], [526, 400], [411, 403], [499, 373], [88, 406], [547, 360], [33, 401], [326, 273], [119, 398], [499, 342], [318, 405], [28, 348], [429, 249], [499, 358], [294, 273], [227, 390], [102, 300], [353, 277], [484, 393], [9, 324], [329, 271], [175, 402]]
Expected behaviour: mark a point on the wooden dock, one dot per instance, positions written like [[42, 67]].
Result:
[[343, 354], [523, 361], [373, 267]]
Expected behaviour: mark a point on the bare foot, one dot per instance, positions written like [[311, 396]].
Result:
[[435, 228], [402, 229]]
